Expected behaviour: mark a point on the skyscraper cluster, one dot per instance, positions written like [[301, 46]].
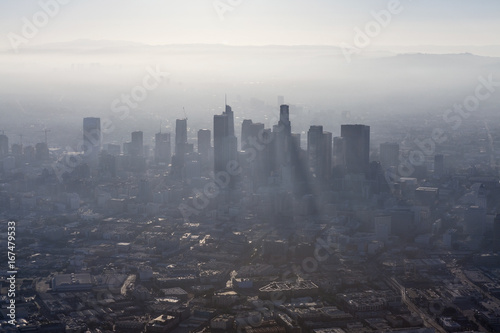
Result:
[[267, 156]]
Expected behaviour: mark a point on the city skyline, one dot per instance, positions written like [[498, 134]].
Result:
[[285, 166]]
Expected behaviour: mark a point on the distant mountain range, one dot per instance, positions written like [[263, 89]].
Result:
[[115, 46]]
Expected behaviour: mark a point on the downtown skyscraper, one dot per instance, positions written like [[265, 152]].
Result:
[[357, 148], [92, 139], [225, 142]]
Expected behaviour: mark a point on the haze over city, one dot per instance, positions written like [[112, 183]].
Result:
[[250, 166]]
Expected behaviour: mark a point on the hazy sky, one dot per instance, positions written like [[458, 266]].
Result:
[[257, 22]]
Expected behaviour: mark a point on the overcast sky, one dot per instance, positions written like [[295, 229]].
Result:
[[258, 22]]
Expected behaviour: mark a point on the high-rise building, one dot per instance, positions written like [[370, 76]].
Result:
[[439, 164], [225, 143], [136, 148], [284, 121], [357, 148], [319, 151], [41, 151], [205, 150], [204, 141], [163, 149], [29, 153], [4, 145], [107, 164], [246, 129], [230, 120], [16, 149], [181, 148], [328, 142], [180, 136], [113, 149], [389, 154], [92, 138], [282, 140], [250, 133], [338, 151]]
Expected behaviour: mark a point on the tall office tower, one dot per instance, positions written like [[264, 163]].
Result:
[[16, 149], [4, 145], [204, 142], [180, 136], [107, 164], [296, 141], [284, 121], [92, 139], [246, 130], [181, 148], [225, 143], [389, 154], [265, 157], [29, 153], [230, 120], [163, 149], [328, 142], [283, 140], [439, 165], [357, 147], [319, 147], [338, 151], [204, 146], [136, 148], [113, 149], [250, 132], [41, 151], [296, 159]]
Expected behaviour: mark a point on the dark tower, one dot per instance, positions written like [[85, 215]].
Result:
[[163, 149], [357, 147], [389, 154], [136, 147], [225, 143], [319, 148], [92, 139]]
